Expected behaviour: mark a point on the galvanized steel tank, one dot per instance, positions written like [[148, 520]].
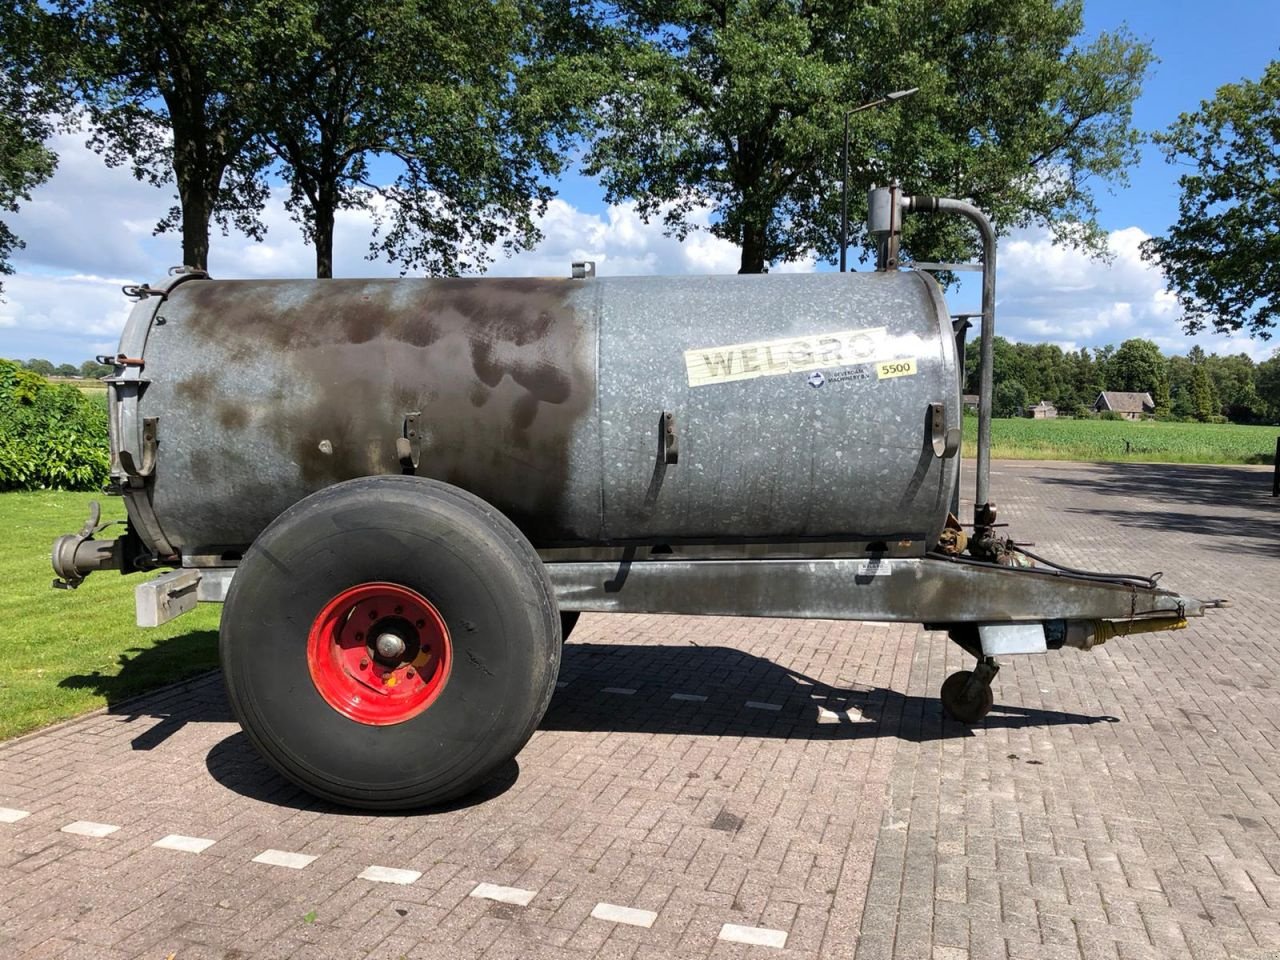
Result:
[[801, 404]]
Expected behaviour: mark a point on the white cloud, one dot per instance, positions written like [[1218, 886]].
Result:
[[1054, 294]]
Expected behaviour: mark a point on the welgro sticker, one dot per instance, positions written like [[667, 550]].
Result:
[[771, 358], [888, 369]]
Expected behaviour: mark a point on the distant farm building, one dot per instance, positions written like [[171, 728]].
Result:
[[1044, 410], [970, 401], [1131, 406]]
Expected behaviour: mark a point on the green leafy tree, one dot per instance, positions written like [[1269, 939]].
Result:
[[739, 107], [1220, 257], [93, 370], [1203, 401], [1268, 386], [168, 85], [1233, 385], [43, 367], [29, 98], [1009, 399], [441, 120], [1137, 367]]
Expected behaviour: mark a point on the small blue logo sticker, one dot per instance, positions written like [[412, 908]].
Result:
[[816, 379]]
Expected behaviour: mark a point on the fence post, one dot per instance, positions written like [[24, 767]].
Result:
[[1275, 480]]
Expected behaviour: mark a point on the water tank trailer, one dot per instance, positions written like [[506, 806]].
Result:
[[405, 491]]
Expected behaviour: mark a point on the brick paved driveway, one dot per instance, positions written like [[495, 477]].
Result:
[[699, 783]]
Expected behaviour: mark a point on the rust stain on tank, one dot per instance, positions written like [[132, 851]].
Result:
[[500, 370]]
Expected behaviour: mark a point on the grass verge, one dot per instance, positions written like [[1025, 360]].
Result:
[[1146, 441], [65, 652]]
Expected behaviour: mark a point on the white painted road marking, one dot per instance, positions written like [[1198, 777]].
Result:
[[282, 858], [389, 875], [757, 705], [491, 891], [10, 815], [186, 844], [629, 915], [756, 936], [690, 697], [86, 828], [623, 691]]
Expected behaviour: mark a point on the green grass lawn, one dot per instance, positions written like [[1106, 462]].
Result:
[[64, 652], [1144, 440]]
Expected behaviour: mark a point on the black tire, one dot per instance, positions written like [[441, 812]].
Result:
[[963, 704], [568, 620], [467, 559]]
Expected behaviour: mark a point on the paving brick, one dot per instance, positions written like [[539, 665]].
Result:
[[1120, 804]]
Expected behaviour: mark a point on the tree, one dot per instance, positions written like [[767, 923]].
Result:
[[1268, 385], [1137, 367], [739, 106], [29, 97], [168, 85], [93, 370], [1202, 399], [40, 366], [450, 102], [1009, 399], [1220, 257]]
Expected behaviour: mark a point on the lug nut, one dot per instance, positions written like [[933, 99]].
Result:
[[409, 672], [364, 663]]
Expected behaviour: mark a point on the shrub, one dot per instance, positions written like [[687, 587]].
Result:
[[51, 435]]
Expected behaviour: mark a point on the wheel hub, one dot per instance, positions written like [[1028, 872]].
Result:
[[389, 646], [379, 653]]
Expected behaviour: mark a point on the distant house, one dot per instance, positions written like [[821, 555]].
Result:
[[970, 401], [1044, 410], [1131, 406]]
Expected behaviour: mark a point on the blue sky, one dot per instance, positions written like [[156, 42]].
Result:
[[88, 230]]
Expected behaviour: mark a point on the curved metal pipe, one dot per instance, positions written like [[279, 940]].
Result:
[[982, 495]]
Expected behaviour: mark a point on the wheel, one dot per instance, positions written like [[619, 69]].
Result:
[[963, 704], [568, 620], [390, 642]]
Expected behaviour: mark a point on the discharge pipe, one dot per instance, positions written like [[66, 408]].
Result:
[[885, 206]]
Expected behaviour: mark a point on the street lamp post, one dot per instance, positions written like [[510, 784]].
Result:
[[844, 181]]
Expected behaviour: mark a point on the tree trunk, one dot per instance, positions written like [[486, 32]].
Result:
[[197, 208], [323, 211], [752, 249]]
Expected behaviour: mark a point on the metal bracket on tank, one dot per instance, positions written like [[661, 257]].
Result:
[[946, 443], [670, 442], [409, 446]]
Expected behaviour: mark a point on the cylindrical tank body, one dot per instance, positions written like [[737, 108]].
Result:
[[802, 407]]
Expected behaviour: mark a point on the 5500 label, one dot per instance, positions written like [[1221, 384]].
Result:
[[886, 369]]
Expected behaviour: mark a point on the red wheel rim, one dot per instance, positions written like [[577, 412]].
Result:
[[379, 653]]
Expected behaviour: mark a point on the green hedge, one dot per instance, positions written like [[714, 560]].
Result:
[[52, 436]]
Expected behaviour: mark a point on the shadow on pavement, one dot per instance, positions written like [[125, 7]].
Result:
[[172, 660], [236, 765], [1178, 486], [788, 703]]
